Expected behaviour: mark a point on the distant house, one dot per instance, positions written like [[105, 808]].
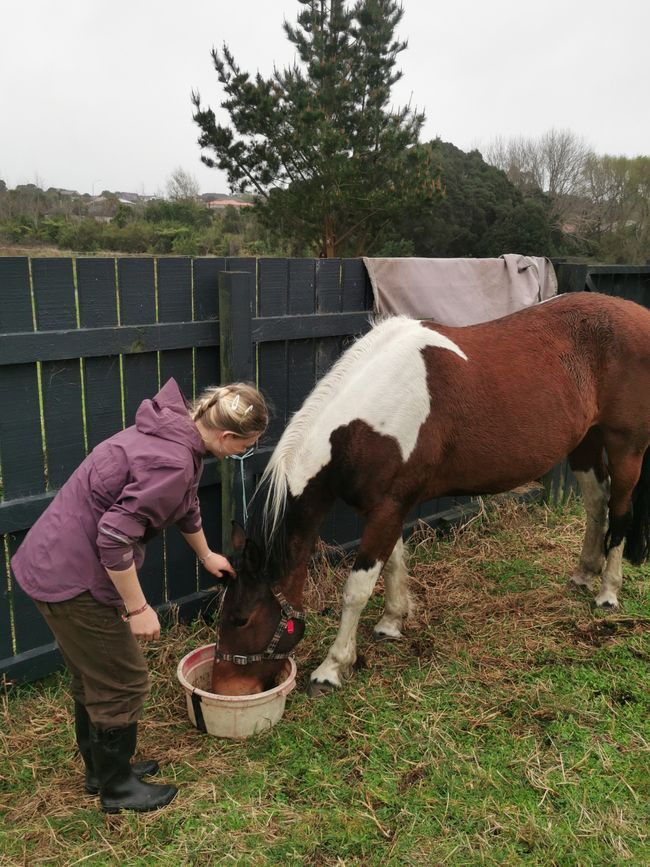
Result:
[[128, 198], [220, 204]]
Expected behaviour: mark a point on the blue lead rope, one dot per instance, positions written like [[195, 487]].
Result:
[[241, 459]]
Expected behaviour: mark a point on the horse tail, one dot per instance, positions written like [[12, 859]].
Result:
[[637, 538]]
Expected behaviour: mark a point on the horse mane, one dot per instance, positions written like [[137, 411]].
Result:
[[268, 513], [275, 547]]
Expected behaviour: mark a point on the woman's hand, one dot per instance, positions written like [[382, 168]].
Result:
[[145, 625], [217, 564]]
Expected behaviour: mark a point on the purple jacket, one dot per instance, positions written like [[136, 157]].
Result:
[[130, 487]]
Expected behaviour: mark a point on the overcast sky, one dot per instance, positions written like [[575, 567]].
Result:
[[95, 94]]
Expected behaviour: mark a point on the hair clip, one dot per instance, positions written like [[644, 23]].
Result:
[[235, 403], [247, 410]]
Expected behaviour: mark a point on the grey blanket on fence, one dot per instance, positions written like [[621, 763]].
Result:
[[460, 291]]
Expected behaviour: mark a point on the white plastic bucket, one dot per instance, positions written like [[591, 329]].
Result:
[[230, 716]]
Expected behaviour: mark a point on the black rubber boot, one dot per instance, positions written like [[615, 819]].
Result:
[[82, 726], [119, 788]]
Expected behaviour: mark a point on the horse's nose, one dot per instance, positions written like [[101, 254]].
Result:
[[238, 686]]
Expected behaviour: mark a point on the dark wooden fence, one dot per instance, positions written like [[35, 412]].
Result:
[[83, 341]]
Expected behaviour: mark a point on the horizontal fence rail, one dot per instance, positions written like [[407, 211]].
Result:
[[84, 340]]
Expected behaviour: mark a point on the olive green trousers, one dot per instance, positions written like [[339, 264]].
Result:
[[109, 671]]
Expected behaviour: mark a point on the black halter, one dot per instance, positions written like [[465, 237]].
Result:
[[287, 614]]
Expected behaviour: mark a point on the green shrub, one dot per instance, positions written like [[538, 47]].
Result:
[[49, 229], [185, 243], [18, 229], [87, 236]]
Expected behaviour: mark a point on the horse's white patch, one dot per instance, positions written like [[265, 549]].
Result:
[[385, 387], [380, 380]]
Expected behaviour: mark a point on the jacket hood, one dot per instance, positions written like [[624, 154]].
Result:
[[166, 416]]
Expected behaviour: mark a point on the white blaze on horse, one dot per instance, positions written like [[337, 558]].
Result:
[[416, 410]]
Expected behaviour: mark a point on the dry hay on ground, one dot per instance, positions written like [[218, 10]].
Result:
[[497, 584], [462, 608]]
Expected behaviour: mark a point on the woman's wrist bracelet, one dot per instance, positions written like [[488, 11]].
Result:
[[129, 614], [203, 559]]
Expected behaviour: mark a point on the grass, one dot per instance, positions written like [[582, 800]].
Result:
[[510, 726]]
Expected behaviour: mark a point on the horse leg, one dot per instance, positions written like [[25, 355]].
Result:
[[378, 541], [625, 469], [588, 465], [397, 603], [592, 558]]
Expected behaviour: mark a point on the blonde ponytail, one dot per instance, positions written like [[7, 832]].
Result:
[[238, 407]]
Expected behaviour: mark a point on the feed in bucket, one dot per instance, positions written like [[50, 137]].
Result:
[[230, 716]]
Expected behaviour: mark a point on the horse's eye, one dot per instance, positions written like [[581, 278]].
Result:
[[238, 622]]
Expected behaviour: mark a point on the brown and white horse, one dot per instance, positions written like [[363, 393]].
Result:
[[415, 410]]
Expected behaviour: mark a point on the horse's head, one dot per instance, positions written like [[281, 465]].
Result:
[[257, 627]]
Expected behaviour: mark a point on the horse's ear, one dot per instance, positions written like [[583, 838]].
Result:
[[253, 558], [237, 538]]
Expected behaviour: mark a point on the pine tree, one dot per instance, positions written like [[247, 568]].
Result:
[[333, 165]]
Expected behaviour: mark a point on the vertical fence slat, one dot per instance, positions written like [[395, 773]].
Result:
[[301, 298], [346, 524], [54, 295], [273, 290], [301, 286], [207, 370], [6, 646], [210, 502], [53, 281], [174, 290], [21, 452], [16, 306], [63, 419], [31, 630], [103, 396], [175, 305], [206, 287], [355, 286], [97, 291], [328, 286], [236, 297], [342, 524], [328, 300], [328, 349], [23, 468], [138, 307]]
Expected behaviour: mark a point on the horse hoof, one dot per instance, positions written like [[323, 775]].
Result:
[[607, 605], [582, 582], [384, 636], [317, 689]]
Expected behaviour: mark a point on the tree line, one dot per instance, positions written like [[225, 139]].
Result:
[[600, 204], [178, 225], [334, 169]]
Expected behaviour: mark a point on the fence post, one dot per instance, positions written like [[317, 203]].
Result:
[[236, 297]]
